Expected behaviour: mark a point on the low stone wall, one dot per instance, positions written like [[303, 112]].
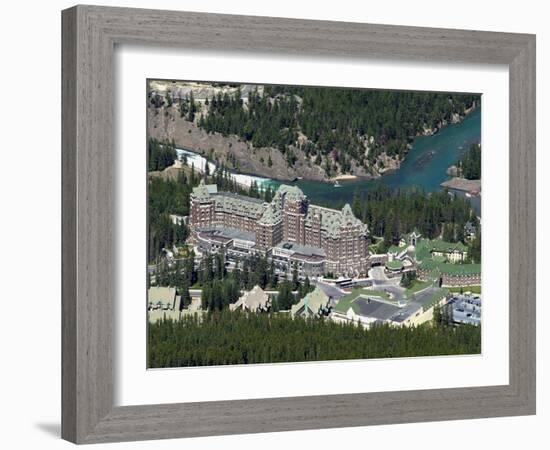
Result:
[[452, 280]]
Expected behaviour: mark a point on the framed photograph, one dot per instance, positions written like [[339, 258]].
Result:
[[278, 224]]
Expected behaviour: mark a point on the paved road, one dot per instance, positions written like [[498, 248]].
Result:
[[330, 290], [381, 281], [377, 274]]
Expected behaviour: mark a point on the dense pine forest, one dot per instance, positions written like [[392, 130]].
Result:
[[391, 213], [470, 164], [225, 337], [166, 197], [351, 125], [160, 155]]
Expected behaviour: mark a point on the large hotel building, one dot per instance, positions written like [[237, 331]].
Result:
[[289, 230]]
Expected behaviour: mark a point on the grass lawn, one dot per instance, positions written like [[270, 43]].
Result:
[[418, 286], [472, 289]]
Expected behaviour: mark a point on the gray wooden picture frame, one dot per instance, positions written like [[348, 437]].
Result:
[[90, 34]]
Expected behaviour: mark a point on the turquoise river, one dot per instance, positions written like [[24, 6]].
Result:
[[425, 166]]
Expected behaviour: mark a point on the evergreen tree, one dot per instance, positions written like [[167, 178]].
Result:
[[285, 297], [160, 154], [245, 277], [295, 278], [448, 233], [185, 296], [192, 108], [470, 164], [220, 266], [474, 249]]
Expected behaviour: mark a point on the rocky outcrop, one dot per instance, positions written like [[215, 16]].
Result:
[[452, 171]]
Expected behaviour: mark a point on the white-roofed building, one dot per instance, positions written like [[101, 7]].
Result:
[[314, 304], [164, 298], [255, 300]]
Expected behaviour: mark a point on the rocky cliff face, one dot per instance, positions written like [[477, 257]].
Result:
[[166, 124], [386, 163]]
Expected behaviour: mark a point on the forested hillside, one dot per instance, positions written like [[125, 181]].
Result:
[[333, 120], [342, 131]]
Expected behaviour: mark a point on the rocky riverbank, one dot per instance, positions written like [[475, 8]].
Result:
[[462, 184]]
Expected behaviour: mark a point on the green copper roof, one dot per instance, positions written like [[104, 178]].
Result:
[[395, 249], [435, 298], [293, 193], [347, 301], [202, 191], [314, 301], [394, 264], [425, 247], [438, 245], [332, 220], [422, 250], [271, 215], [239, 204], [347, 212]]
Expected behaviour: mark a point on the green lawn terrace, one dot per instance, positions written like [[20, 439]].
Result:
[[472, 289], [412, 306]]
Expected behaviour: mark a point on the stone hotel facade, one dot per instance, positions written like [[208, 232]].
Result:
[[288, 229]]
